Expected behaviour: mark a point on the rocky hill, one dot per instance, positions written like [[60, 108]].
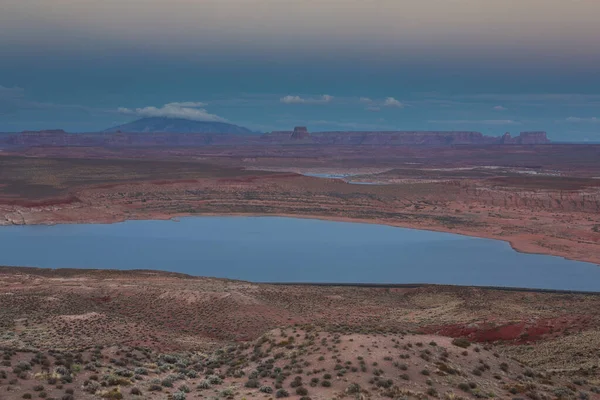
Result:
[[402, 138]]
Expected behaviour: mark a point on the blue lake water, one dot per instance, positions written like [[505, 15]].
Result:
[[274, 249]]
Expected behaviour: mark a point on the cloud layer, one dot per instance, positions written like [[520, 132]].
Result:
[[187, 110], [324, 99], [579, 119], [475, 122]]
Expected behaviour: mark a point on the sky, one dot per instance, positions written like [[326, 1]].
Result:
[[493, 66]]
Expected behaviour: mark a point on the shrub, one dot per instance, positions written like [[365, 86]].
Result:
[[214, 380], [192, 374], [91, 387], [205, 384], [464, 387], [184, 389], [353, 388], [113, 394], [252, 383], [179, 396], [155, 388], [266, 389], [135, 391], [326, 383], [302, 391], [27, 396], [281, 393], [461, 342]]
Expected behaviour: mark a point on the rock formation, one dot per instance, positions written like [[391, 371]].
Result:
[[300, 132], [300, 135]]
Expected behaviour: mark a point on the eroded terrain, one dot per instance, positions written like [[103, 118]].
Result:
[[548, 206]]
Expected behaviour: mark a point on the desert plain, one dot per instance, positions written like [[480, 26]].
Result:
[[92, 334]]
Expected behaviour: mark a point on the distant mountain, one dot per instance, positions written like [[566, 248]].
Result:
[[178, 125]]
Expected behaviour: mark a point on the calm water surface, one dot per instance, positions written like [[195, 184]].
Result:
[[274, 249]]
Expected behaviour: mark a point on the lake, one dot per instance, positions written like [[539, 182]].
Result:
[[276, 249]]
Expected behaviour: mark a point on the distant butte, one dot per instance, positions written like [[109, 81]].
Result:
[[212, 133], [403, 138]]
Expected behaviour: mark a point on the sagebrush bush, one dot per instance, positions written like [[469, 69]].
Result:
[[179, 396], [461, 342], [266, 389]]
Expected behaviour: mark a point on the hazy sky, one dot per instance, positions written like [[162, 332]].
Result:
[[488, 65]]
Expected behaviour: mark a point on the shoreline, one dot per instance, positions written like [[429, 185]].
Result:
[[70, 273], [523, 247]]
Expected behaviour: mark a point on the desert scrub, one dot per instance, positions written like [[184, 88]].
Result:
[[192, 374], [353, 388], [184, 389], [252, 383], [214, 379], [281, 393], [301, 391], [464, 387], [461, 342], [155, 388], [114, 394], [179, 396], [91, 387], [135, 391], [265, 389], [205, 384]]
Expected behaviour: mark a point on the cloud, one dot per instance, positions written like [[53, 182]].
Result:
[[366, 100], [578, 119], [475, 122], [11, 93], [392, 102], [192, 104], [499, 108], [324, 99], [187, 110]]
